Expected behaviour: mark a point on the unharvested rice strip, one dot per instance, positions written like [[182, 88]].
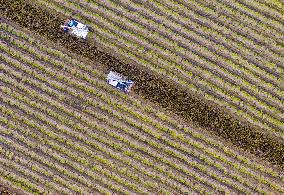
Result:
[[281, 96], [133, 102], [39, 51], [164, 189], [48, 59], [274, 155], [153, 18], [115, 162]]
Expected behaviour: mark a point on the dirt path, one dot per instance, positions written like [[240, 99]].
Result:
[[149, 85]]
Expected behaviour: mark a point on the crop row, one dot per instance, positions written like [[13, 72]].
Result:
[[163, 9], [180, 20], [80, 127], [15, 53], [238, 49], [106, 119]]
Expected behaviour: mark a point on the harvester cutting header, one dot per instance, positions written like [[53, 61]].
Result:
[[119, 81], [76, 28]]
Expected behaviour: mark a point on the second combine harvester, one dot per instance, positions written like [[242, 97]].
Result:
[[81, 30]]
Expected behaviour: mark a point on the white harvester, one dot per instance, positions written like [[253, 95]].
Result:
[[119, 81], [76, 28]]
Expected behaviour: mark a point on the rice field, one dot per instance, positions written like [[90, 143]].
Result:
[[63, 129], [227, 62], [200, 67]]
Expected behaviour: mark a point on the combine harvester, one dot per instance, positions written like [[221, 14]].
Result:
[[76, 28], [120, 82], [81, 30]]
